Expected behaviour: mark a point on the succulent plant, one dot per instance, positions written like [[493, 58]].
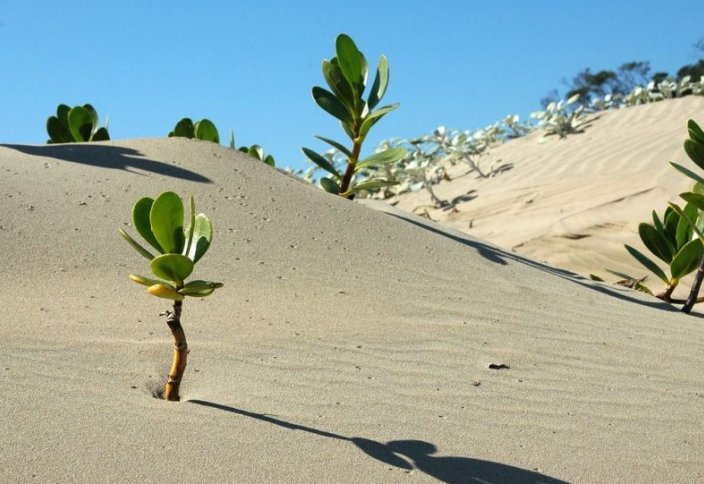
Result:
[[670, 240], [160, 222], [255, 151], [203, 129], [74, 125], [346, 76], [561, 118]]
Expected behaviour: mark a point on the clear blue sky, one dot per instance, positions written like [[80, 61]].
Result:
[[250, 65]]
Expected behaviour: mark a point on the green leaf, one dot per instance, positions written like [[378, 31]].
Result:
[[352, 63], [683, 232], [391, 155], [146, 281], [655, 242], [191, 227], [101, 134], [695, 151], [140, 219], [331, 104], [166, 219], [649, 264], [184, 129], [206, 130], [337, 146], [256, 151], [199, 288], [688, 173], [62, 113], [58, 132], [80, 123], [374, 117], [136, 245], [172, 267], [330, 185], [369, 185], [695, 199], [321, 162], [202, 237], [687, 259], [269, 160], [338, 83], [658, 224], [381, 82], [695, 132], [692, 223]]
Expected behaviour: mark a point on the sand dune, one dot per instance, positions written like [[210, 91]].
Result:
[[349, 344], [574, 202]]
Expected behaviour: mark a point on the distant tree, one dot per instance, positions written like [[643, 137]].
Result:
[[660, 76], [552, 96], [632, 74]]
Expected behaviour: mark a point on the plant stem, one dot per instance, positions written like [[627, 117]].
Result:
[[180, 354], [692, 299], [351, 164], [666, 295]]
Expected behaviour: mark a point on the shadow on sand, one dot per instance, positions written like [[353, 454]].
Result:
[[412, 455], [502, 257], [108, 156]]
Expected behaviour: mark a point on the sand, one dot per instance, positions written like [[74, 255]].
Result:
[[574, 202], [351, 342]]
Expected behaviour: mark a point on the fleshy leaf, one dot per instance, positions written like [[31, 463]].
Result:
[[687, 259], [338, 83], [369, 185], [381, 82], [140, 218], [172, 267], [695, 199], [166, 219], [58, 132], [147, 281], [341, 148], [688, 172], [206, 130], [136, 245], [202, 236], [191, 227], [695, 132], [352, 63], [163, 291], [391, 155], [330, 185], [695, 151], [321, 161], [683, 232], [200, 288], [374, 117], [78, 119], [655, 242], [331, 104], [648, 263]]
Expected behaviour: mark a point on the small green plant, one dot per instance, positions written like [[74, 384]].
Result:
[[346, 76], [75, 124], [561, 118], [203, 129], [694, 147], [161, 223], [255, 151], [670, 240]]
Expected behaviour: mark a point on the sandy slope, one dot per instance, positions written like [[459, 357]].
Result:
[[574, 202], [348, 344]]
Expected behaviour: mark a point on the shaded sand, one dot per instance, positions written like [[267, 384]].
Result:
[[574, 202], [348, 344]]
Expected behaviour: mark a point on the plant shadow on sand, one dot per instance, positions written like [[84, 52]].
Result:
[[412, 455], [108, 156], [501, 257]]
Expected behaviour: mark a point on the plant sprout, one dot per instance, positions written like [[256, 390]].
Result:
[[346, 75], [160, 223]]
